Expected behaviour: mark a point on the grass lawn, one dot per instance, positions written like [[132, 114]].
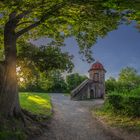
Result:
[[36, 103], [118, 121]]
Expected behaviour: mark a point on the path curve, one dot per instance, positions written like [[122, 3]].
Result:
[[73, 121]]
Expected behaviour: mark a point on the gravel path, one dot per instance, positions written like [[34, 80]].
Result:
[[73, 121]]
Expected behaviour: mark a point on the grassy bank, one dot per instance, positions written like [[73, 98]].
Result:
[[36, 103], [117, 120]]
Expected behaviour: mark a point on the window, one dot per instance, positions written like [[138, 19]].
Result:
[[96, 76]]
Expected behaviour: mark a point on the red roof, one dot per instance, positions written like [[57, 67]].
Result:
[[97, 66]]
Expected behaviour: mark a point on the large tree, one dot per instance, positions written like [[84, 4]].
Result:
[[87, 20]]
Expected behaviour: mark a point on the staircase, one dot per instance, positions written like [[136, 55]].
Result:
[[77, 89]]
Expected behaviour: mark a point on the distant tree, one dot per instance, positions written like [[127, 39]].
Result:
[[34, 80], [110, 84], [129, 78], [73, 80], [27, 76], [34, 68], [44, 58], [58, 84]]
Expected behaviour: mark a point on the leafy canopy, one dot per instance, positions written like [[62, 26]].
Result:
[[87, 20], [45, 58], [130, 9]]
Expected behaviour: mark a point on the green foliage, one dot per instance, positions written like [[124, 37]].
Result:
[[36, 103], [8, 135], [57, 19], [27, 75], [128, 80], [52, 81], [136, 91], [131, 105], [129, 77], [110, 84], [58, 83], [114, 101], [129, 10], [11, 129], [45, 58], [43, 83], [40, 68], [126, 104], [73, 80]]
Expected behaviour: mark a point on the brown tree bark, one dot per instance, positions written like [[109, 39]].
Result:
[[9, 102]]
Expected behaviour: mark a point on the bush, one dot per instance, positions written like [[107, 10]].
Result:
[[136, 92], [115, 101], [132, 105], [7, 135], [126, 104]]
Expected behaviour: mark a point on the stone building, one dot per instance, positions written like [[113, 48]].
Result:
[[92, 88]]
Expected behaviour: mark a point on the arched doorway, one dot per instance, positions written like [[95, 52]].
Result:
[[92, 93]]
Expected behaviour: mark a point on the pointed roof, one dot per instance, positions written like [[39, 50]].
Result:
[[97, 66]]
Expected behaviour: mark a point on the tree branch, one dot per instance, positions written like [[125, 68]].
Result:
[[21, 32], [24, 23], [45, 16], [23, 14]]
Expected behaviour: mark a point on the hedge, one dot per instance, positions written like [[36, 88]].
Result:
[[115, 101], [132, 105], [124, 104]]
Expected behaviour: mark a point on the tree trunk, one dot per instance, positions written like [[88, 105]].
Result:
[[2, 67], [9, 102]]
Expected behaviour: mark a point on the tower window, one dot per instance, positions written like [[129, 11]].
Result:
[[96, 76]]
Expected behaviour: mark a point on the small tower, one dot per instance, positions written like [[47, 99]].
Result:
[[91, 88], [97, 77]]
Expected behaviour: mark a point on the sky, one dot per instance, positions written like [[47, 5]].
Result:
[[119, 49]]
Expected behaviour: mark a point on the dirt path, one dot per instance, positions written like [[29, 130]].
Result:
[[73, 121]]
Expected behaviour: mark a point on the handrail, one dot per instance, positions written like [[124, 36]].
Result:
[[77, 89]]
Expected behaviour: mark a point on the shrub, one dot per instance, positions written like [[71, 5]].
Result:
[[7, 135], [135, 92], [115, 101], [132, 105], [127, 104]]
